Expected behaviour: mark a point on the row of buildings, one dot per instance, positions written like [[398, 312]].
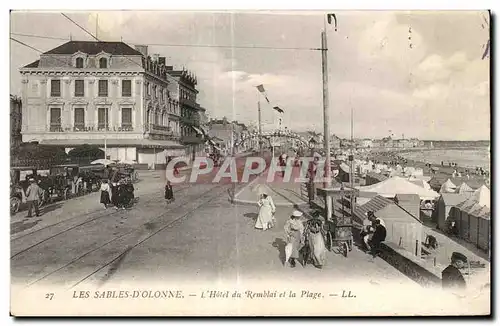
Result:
[[114, 96], [387, 142]]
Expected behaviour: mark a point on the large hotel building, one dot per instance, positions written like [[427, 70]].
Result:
[[114, 96]]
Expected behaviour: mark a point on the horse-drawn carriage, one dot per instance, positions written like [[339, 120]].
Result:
[[19, 184], [67, 180]]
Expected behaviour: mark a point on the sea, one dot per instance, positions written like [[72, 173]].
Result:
[[465, 154]]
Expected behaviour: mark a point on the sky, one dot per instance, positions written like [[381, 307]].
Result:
[[407, 74]]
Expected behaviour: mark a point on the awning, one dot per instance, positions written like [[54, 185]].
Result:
[[148, 143]]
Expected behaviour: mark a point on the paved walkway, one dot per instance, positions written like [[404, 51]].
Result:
[[284, 193]]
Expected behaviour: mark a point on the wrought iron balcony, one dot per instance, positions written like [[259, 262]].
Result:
[[191, 139]]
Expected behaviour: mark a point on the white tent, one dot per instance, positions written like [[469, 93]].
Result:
[[447, 187], [420, 183], [398, 185], [464, 189], [480, 198]]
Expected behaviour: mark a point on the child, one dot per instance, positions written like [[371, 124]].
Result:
[[169, 192]]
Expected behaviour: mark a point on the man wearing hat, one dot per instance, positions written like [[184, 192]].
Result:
[[294, 236], [32, 197], [451, 275]]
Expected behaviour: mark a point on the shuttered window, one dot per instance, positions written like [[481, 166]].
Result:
[[127, 118], [79, 119], [103, 88], [55, 87], [126, 88], [102, 119], [55, 119], [79, 88]]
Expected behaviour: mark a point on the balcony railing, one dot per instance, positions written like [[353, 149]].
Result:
[[191, 139], [56, 128], [189, 102]]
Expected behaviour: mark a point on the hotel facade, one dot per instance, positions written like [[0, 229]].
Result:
[[109, 94]]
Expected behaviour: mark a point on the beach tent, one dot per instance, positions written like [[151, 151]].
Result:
[[420, 183], [464, 188], [442, 214], [447, 187], [403, 229], [473, 218], [399, 185]]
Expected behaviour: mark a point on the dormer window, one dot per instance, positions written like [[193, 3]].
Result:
[[79, 62], [103, 63]]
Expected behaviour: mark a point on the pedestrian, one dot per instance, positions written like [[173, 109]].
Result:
[[32, 197], [266, 212], [294, 235], [452, 278], [377, 238], [169, 192], [105, 190], [115, 194], [128, 193], [315, 243]]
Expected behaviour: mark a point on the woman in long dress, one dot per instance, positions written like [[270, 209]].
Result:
[[105, 193], [316, 242], [294, 236], [266, 213]]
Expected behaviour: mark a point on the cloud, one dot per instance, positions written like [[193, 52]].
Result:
[[424, 90]]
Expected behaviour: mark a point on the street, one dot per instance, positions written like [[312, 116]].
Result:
[[199, 237]]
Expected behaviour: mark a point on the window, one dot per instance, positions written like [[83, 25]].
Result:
[[79, 88], [154, 91], [55, 119], [79, 62], [55, 87], [79, 119], [103, 87], [102, 119], [127, 118], [103, 63], [126, 88]]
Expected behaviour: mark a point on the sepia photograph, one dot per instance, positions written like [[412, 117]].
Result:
[[250, 163]]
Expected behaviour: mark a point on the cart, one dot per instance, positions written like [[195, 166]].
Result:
[[339, 236]]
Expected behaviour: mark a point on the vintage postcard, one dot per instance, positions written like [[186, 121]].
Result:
[[271, 163]]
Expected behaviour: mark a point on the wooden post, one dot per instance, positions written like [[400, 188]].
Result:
[[416, 248]]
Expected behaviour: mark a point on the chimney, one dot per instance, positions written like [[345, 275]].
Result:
[[161, 60], [156, 56]]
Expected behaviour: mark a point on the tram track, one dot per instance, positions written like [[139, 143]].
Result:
[[150, 228], [113, 212]]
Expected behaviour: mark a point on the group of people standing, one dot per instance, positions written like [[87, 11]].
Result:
[[120, 194]]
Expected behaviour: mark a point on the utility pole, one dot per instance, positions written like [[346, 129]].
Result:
[[326, 121], [260, 126], [351, 159], [105, 136]]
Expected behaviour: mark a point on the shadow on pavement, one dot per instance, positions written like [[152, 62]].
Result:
[[280, 245], [253, 216], [51, 207], [23, 225], [113, 268]]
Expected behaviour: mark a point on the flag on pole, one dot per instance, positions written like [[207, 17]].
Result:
[[277, 108], [261, 88], [329, 18]]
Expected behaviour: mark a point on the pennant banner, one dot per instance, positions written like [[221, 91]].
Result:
[[331, 17], [261, 89], [277, 108]]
